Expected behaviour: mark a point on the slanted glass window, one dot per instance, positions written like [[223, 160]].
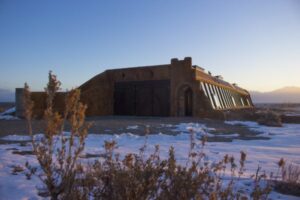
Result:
[[217, 101], [211, 92], [202, 87], [239, 100], [242, 101], [238, 97], [233, 100], [229, 98], [209, 95], [225, 97], [221, 97], [215, 96]]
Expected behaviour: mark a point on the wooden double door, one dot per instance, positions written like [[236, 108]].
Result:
[[142, 98]]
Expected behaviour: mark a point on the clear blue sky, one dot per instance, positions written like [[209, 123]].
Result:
[[253, 43]]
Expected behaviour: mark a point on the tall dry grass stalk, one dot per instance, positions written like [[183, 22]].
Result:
[[57, 152]]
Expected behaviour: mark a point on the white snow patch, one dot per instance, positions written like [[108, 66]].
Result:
[[166, 125], [198, 129], [16, 138], [14, 187], [292, 114], [7, 115], [229, 135], [242, 123], [9, 111], [132, 127]]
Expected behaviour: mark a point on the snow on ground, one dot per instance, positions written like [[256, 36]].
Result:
[[9, 111], [13, 187], [132, 127], [8, 114], [284, 143], [16, 138], [292, 114], [8, 117]]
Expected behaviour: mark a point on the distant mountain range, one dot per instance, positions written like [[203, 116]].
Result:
[[6, 95], [282, 95]]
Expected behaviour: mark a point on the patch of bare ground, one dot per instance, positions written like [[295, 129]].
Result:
[[138, 125]]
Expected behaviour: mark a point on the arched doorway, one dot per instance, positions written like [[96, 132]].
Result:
[[188, 102], [185, 101]]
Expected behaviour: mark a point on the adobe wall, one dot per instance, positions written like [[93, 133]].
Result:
[[95, 94], [184, 75], [98, 93], [39, 103]]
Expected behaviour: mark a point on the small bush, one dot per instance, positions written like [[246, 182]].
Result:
[[269, 118], [57, 153], [290, 179]]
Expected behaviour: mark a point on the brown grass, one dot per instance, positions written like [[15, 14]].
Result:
[[290, 179]]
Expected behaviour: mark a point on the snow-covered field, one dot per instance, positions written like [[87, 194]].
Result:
[[283, 143]]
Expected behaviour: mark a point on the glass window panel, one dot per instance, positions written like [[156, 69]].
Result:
[[229, 98], [217, 101], [216, 97], [248, 103], [224, 97], [209, 95], [202, 86], [211, 92], [242, 102], [233, 100], [239, 100], [221, 97]]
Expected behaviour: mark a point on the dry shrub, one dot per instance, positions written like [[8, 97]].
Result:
[[137, 176], [56, 152], [291, 173], [290, 179], [134, 176], [269, 118]]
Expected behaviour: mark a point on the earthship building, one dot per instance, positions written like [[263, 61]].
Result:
[[176, 89]]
